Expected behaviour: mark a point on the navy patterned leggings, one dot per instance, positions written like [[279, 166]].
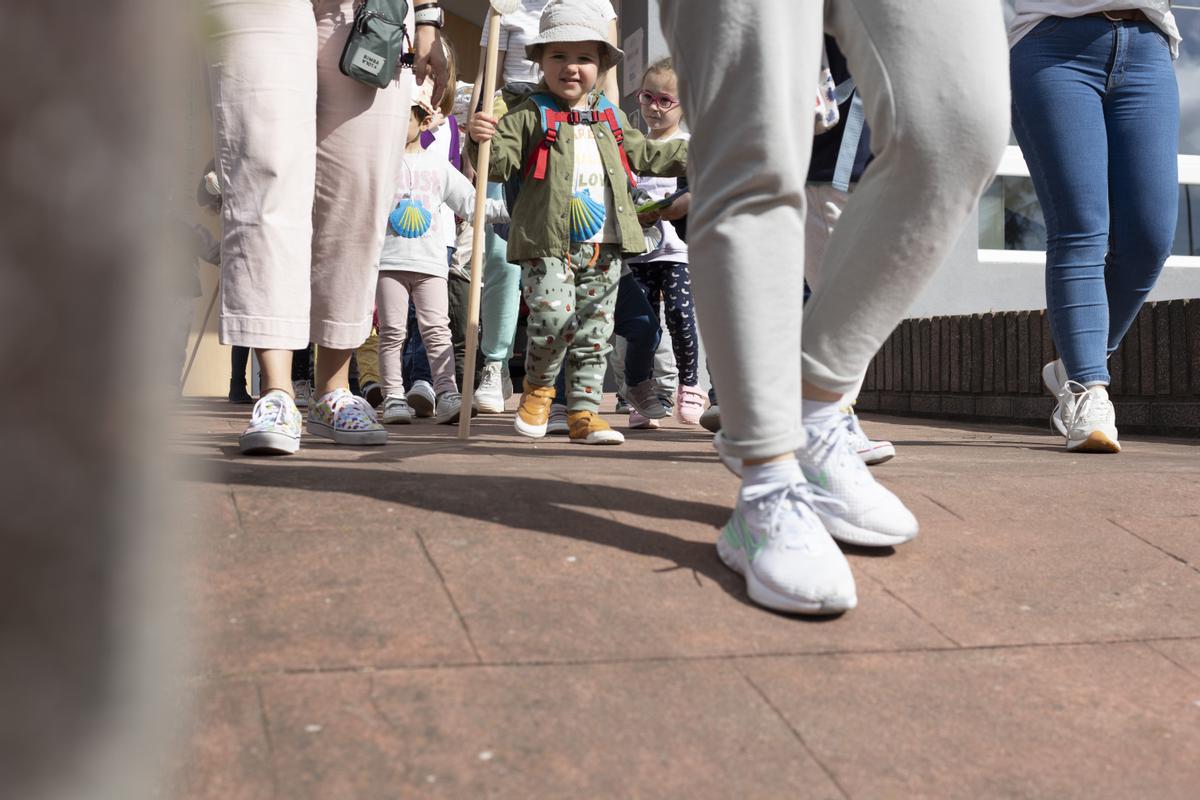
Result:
[[673, 282]]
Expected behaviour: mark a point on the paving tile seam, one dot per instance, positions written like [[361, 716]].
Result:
[[913, 610], [266, 726], [1150, 646], [795, 733], [462, 621], [242, 677], [1163, 550]]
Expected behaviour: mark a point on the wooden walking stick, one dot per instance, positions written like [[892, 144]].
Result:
[[200, 335], [499, 7]]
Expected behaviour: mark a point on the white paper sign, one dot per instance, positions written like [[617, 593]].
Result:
[[634, 61]]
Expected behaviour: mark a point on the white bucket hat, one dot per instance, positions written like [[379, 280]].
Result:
[[573, 21]]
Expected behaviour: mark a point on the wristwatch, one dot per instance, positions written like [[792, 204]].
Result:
[[429, 14]]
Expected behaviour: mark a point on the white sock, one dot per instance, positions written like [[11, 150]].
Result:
[[773, 473], [819, 413]]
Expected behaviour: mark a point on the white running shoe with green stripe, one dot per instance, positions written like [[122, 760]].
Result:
[[790, 562]]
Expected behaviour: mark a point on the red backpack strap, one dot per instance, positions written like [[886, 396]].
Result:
[[551, 118], [610, 117]]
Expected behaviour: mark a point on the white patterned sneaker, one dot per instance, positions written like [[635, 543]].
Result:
[[557, 426], [346, 419], [489, 394], [869, 515], [274, 426], [871, 451], [1090, 419], [396, 411], [421, 398], [775, 539]]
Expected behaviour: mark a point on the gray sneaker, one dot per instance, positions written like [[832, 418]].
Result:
[[274, 426], [645, 400], [396, 411], [449, 406]]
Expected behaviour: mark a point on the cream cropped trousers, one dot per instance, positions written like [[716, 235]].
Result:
[[308, 162], [934, 80]]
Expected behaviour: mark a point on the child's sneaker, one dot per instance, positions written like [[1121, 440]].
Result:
[[372, 392], [396, 410], [636, 420], [791, 564], [274, 426], [557, 426], [871, 451], [710, 420], [422, 399], [346, 419], [1090, 419], [588, 428], [689, 404], [622, 406], [449, 405], [489, 394], [533, 414], [867, 513], [303, 392], [644, 399], [238, 394]]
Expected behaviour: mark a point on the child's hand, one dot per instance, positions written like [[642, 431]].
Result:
[[648, 218], [482, 127]]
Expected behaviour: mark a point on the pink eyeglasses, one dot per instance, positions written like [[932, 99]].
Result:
[[665, 101]]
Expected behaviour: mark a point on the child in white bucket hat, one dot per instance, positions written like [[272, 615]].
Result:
[[574, 219]]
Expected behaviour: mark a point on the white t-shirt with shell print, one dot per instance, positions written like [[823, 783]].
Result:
[[592, 177]]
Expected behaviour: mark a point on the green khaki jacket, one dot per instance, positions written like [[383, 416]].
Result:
[[540, 225]]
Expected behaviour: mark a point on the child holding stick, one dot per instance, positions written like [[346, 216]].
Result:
[[575, 219]]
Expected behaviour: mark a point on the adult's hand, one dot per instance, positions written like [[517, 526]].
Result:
[[429, 60]]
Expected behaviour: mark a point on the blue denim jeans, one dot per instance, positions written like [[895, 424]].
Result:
[[634, 320], [1096, 112], [415, 361]]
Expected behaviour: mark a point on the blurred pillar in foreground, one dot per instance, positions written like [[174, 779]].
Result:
[[87, 633]]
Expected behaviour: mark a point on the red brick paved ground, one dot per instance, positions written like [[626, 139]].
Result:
[[519, 620]]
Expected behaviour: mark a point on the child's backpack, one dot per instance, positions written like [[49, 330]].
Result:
[[551, 119]]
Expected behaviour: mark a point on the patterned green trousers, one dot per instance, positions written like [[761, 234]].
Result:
[[571, 301]]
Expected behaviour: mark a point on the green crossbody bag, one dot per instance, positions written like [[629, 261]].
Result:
[[375, 45]]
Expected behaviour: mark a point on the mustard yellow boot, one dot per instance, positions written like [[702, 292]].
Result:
[[534, 411], [587, 427]]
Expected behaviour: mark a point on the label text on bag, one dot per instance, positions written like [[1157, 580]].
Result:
[[368, 61]]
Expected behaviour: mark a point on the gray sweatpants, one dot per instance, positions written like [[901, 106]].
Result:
[[934, 80]]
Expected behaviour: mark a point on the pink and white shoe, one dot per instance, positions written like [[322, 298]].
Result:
[[636, 420], [689, 404]]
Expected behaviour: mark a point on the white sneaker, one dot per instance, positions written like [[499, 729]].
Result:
[[274, 426], [645, 400], [422, 399], [1054, 378], [303, 392], [489, 394], [557, 426], [869, 514], [396, 411], [449, 405], [776, 540], [1090, 419], [871, 452]]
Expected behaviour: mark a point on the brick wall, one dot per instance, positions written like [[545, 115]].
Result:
[[988, 367]]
